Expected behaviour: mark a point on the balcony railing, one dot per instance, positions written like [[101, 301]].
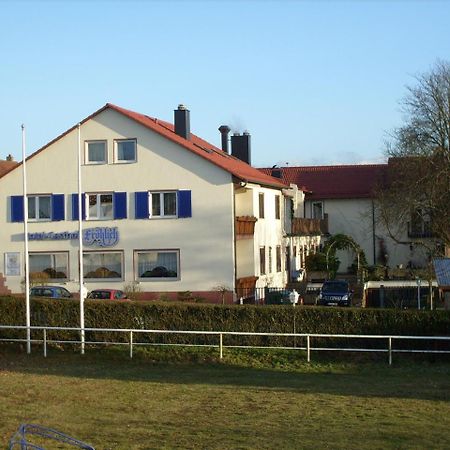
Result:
[[245, 225], [303, 226]]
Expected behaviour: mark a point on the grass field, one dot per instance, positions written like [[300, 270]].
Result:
[[252, 402]]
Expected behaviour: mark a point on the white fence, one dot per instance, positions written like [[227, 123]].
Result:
[[133, 340]]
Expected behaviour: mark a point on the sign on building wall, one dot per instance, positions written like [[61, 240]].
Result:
[[12, 263], [92, 237]]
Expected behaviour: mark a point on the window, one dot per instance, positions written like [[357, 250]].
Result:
[[163, 204], [99, 206], [39, 207], [277, 206], [420, 225], [302, 256], [261, 205], [95, 152], [317, 210], [125, 150], [103, 265], [49, 266], [262, 260], [270, 260], [156, 264], [278, 256]]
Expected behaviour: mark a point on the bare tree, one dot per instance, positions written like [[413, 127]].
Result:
[[416, 190]]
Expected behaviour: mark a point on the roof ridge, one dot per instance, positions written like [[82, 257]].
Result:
[[234, 166], [325, 166]]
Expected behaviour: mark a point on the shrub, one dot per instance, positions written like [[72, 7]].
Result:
[[209, 317]]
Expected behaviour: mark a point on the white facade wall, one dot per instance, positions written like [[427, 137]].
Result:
[[354, 218], [205, 240], [269, 234]]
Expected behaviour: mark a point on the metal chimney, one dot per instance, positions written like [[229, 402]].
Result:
[[240, 146], [182, 122], [224, 130]]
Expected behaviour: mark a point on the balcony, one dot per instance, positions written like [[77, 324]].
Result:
[[308, 227], [245, 226]]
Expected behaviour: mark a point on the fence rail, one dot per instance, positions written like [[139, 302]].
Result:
[[131, 334]]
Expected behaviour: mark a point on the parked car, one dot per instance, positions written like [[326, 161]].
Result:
[[50, 292], [335, 293], [107, 294]]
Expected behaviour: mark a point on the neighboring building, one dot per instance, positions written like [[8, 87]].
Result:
[[343, 196], [7, 164], [160, 206]]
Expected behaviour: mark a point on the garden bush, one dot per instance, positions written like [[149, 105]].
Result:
[[210, 317]]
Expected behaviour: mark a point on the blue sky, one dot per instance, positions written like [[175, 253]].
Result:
[[313, 82]]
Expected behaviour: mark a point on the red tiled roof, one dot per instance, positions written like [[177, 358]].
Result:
[[6, 166], [332, 182], [200, 147], [203, 149]]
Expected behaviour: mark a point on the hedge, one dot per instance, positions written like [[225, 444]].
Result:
[[209, 317]]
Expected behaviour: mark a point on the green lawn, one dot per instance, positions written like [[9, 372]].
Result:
[[266, 402]]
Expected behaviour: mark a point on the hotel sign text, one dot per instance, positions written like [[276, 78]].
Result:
[[92, 237]]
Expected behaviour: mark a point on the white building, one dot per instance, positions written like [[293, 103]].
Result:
[[161, 207], [343, 198]]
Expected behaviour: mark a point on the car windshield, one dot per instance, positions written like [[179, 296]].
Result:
[[335, 287], [99, 294]]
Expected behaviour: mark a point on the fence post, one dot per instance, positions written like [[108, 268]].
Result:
[[221, 345], [390, 351], [295, 337], [45, 343], [308, 349], [131, 345]]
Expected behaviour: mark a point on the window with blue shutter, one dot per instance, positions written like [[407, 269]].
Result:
[[17, 208], [58, 207], [75, 206], [141, 205], [184, 204], [120, 205]]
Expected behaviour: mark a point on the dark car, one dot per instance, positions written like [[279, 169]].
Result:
[[50, 292], [107, 294], [335, 293]]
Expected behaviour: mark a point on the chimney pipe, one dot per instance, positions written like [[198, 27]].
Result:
[[224, 130], [182, 122], [240, 146]]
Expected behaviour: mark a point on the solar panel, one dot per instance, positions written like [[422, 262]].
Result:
[[442, 270]]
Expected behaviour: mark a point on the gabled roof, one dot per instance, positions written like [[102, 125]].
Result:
[[200, 147], [7, 166], [334, 182]]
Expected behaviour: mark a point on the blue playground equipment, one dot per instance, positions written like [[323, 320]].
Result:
[[21, 438]]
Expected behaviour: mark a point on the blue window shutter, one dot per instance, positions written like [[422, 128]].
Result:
[[75, 206], [141, 205], [17, 208], [120, 205], [184, 204], [58, 207]]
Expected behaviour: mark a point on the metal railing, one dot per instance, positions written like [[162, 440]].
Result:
[[264, 296], [308, 337]]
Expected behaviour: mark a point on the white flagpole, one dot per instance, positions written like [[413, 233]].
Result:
[[25, 234], [80, 242]]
